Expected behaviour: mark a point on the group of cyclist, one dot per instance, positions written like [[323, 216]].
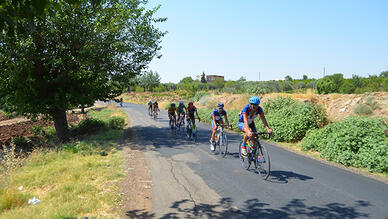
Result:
[[183, 112], [246, 119]]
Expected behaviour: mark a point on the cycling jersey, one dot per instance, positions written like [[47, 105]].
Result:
[[181, 108], [149, 103], [217, 115], [191, 111], [251, 115], [171, 110]]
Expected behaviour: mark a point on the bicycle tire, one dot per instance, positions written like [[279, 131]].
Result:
[[224, 145], [188, 132], [245, 161], [262, 161]]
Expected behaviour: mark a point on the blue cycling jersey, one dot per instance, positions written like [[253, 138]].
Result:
[[217, 115], [251, 115]]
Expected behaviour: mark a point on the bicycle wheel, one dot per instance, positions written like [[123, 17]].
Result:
[[223, 144], [195, 133], [262, 161], [188, 132], [245, 161]]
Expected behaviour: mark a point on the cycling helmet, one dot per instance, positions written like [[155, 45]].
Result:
[[254, 100], [181, 102], [150, 101], [191, 103], [220, 105], [155, 102], [173, 104]]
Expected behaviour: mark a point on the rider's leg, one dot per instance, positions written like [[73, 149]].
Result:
[[214, 130], [254, 134], [244, 143]]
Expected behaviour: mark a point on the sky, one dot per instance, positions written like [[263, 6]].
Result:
[[268, 40]]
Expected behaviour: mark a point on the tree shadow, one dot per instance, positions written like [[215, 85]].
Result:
[[295, 208]]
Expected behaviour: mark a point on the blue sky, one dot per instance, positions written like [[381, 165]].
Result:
[[275, 38]]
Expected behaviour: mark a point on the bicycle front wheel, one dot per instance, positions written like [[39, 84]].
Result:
[[224, 145], [262, 161], [245, 161]]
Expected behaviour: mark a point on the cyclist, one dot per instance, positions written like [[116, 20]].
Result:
[[246, 122], [190, 113], [216, 117], [155, 107], [171, 113], [149, 106], [121, 101], [181, 111]]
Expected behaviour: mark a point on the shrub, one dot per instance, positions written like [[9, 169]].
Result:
[[199, 95], [87, 126], [354, 141], [363, 109], [116, 122], [290, 120]]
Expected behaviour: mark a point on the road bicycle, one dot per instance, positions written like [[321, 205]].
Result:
[[221, 141], [191, 130], [181, 124], [149, 109], [259, 156], [155, 114], [172, 124]]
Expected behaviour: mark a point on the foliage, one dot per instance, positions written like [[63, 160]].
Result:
[[325, 86], [74, 55], [116, 122], [290, 120], [203, 78], [354, 141], [86, 126], [149, 80], [368, 107], [199, 95]]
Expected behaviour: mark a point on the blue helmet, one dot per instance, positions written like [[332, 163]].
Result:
[[254, 100], [220, 105]]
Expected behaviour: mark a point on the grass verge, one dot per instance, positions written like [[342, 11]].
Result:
[[80, 179]]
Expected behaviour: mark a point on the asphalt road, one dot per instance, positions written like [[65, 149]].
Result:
[[188, 180]]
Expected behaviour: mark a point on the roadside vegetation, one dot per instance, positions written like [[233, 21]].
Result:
[[80, 176], [301, 121]]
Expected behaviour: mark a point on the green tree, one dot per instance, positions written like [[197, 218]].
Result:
[[74, 55], [325, 85], [149, 80], [218, 83], [384, 74], [305, 77], [288, 78], [203, 78]]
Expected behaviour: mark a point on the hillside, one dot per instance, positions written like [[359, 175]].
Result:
[[337, 106]]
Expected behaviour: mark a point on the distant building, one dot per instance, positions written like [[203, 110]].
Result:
[[211, 78]]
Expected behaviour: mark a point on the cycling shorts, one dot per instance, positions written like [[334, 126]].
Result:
[[252, 126], [217, 123]]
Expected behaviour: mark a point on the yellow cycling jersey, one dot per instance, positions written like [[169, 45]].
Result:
[[171, 110]]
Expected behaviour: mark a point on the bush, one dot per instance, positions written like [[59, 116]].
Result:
[[354, 141], [116, 122], [199, 95], [363, 109], [290, 120], [87, 126]]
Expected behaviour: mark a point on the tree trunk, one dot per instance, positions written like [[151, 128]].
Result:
[[60, 123], [83, 109]]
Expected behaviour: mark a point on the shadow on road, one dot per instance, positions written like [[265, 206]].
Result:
[[278, 176], [296, 208]]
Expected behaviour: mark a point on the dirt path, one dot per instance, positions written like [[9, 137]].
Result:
[[136, 188]]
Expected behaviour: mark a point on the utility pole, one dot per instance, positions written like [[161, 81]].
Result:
[[324, 71]]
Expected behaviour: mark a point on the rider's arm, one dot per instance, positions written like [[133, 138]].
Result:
[[214, 119], [269, 130], [226, 120]]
